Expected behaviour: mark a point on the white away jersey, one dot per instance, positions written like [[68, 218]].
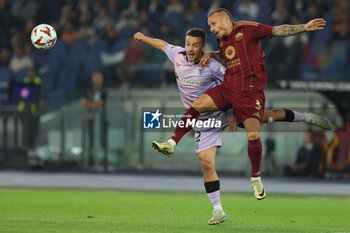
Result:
[[192, 80]]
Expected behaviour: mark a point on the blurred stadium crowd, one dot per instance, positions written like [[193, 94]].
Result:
[[96, 35]]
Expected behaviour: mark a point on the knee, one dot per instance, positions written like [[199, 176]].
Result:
[[253, 136], [267, 115], [207, 165]]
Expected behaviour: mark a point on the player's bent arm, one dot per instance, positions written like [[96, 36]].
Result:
[[156, 43], [218, 56], [211, 54], [289, 30]]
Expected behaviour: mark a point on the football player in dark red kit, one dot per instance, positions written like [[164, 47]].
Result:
[[244, 82]]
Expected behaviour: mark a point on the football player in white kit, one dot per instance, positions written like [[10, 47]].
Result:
[[192, 82]]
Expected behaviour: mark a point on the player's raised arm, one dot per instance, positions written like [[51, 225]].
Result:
[[156, 43], [289, 30]]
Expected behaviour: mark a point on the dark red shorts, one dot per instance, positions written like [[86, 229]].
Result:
[[246, 104]]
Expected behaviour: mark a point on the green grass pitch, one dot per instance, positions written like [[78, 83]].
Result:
[[115, 211]]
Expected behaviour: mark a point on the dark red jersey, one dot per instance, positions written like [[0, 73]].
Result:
[[244, 57]]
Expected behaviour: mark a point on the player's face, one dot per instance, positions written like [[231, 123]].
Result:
[[218, 25], [194, 48]]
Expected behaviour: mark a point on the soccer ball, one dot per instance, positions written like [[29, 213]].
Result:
[[43, 36]]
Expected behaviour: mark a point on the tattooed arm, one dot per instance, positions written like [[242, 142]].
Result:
[[289, 30]]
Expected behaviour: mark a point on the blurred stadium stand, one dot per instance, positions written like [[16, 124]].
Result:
[[85, 35], [94, 35]]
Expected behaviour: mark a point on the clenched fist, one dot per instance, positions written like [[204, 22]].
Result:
[[138, 36]]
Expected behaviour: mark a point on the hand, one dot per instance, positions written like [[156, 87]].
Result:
[[138, 36], [232, 123], [205, 59], [315, 24]]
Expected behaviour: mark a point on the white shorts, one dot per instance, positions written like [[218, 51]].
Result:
[[209, 138]]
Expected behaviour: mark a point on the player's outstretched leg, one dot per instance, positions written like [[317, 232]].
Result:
[[319, 121], [280, 114], [165, 147], [200, 105]]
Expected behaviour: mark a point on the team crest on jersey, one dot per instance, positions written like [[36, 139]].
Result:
[[230, 52], [239, 36]]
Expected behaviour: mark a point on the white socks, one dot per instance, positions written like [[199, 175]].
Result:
[[218, 207], [255, 178], [172, 142]]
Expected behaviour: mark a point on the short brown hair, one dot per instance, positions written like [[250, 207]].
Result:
[[221, 10], [197, 32]]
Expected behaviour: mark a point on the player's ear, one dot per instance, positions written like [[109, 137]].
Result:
[[227, 20]]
